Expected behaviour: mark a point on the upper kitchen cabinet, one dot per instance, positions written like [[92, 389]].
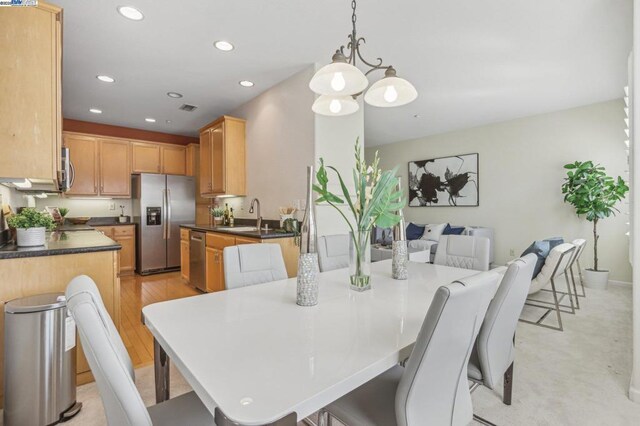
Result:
[[158, 158], [115, 173], [83, 152], [30, 84], [222, 157], [146, 158]]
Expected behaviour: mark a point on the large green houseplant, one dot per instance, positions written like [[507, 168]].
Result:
[[593, 194], [30, 226], [375, 201]]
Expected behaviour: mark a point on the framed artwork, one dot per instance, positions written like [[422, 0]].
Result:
[[444, 182]]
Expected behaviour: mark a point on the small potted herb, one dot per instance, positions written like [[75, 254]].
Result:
[[63, 213], [30, 226], [217, 213]]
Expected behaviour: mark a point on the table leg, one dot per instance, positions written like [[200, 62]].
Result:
[[161, 369], [222, 420]]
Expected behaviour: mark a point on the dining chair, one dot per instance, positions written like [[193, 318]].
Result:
[[493, 354], [113, 370], [556, 264], [432, 389], [333, 252], [580, 246], [249, 264], [463, 251]]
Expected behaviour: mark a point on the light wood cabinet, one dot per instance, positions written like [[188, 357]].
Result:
[[125, 236], [214, 270], [83, 152], [115, 175], [174, 160], [184, 253], [222, 157], [30, 88], [146, 158]]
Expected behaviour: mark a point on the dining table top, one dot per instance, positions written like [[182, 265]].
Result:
[[258, 356]]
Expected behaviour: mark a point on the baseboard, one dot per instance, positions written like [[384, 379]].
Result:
[[620, 283]]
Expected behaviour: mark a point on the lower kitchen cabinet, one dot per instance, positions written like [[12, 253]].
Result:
[[184, 254], [214, 270], [125, 236]]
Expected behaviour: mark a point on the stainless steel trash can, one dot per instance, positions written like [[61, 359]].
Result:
[[39, 361]]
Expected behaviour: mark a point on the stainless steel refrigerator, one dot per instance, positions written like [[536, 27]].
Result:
[[160, 204]]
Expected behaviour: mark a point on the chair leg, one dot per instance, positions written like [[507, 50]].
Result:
[[555, 301], [584, 294], [508, 385], [573, 306], [575, 289], [483, 421]]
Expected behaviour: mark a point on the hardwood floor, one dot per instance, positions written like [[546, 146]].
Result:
[[136, 292]]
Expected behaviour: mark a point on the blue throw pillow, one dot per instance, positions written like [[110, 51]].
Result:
[[453, 230], [554, 241], [414, 232], [541, 249]]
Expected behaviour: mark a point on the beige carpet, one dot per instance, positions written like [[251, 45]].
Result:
[[578, 377]]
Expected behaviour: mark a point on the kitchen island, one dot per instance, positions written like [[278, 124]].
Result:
[[27, 271]]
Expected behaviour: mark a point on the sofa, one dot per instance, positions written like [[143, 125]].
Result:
[[432, 245]]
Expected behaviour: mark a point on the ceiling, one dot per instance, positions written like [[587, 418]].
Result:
[[472, 62]]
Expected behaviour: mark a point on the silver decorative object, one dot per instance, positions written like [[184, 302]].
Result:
[[307, 283], [399, 249]]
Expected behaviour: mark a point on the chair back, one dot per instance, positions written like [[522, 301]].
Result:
[[106, 354], [333, 252], [580, 246], [433, 388], [554, 265], [463, 251], [249, 264], [495, 347]]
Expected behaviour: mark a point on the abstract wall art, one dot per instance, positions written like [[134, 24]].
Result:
[[444, 182]]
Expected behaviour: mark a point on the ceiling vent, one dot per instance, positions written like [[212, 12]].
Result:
[[188, 108]]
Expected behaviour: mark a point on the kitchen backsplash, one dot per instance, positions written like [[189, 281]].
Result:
[[87, 207]]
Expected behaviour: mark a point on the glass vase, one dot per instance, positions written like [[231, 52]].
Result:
[[360, 260]]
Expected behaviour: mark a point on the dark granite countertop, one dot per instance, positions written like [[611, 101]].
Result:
[[271, 233], [61, 242]]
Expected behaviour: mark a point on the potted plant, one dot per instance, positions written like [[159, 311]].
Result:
[[30, 226], [375, 202], [594, 195], [217, 213], [63, 214]]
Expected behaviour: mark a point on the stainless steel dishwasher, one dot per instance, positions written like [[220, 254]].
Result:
[[197, 251]]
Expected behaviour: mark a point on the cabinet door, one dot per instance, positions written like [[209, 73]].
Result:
[[146, 158], [214, 270], [106, 230], [217, 159], [184, 260], [205, 162], [30, 106], [127, 253], [83, 152], [174, 160], [115, 175]]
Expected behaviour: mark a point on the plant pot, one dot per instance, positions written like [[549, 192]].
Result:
[[217, 221], [31, 237], [596, 279]]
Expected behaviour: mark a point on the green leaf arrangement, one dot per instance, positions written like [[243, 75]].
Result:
[[31, 218], [593, 194]]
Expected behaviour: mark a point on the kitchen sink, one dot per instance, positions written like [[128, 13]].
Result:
[[238, 228]]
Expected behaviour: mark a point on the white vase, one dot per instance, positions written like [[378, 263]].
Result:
[[31, 237], [596, 279]]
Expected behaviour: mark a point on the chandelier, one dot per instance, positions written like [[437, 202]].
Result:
[[341, 82]]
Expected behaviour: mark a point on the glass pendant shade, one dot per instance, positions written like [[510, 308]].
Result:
[[338, 79], [390, 91], [335, 106]]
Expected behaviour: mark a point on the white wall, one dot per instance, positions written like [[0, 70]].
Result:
[[520, 174], [94, 207], [280, 145]]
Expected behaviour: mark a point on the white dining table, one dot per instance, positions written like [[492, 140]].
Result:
[[261, 359]]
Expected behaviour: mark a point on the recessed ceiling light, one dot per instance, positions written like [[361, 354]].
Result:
[[225, 46], [246, 83], [150, 120], [105, 78], [167, 121], [130, 12], [174, 95], [95, 110]]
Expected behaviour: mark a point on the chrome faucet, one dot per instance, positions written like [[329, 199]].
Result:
[[258, 217]]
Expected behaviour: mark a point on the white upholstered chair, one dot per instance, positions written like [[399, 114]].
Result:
[[249, 264], [556, 264], [113, 370], [333, 252], [432, 389], [494, 352], [463, 251]]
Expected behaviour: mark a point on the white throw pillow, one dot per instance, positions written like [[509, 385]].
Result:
[[433, 232]]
